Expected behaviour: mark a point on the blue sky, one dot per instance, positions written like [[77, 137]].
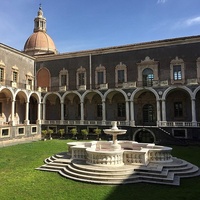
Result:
[[89, 24]]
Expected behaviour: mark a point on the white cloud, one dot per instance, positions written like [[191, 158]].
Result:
[[193, 21], [161, 1]]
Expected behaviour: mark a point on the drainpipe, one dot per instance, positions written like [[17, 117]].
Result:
[[90, 66]]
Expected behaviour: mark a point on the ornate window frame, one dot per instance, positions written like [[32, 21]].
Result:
[[2, 74], [175, 62], [14, 76], [63, 72], [118, 68], [98, 69], [79, 71], [148, 63], [29, 81]]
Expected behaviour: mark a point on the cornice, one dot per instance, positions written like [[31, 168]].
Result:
[[116, 49], [16, 51]]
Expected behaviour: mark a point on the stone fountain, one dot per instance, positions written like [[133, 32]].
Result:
[[120, 162], [114, 131]]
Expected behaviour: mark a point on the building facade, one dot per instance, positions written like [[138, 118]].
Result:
[[19, 101], [151, 89]]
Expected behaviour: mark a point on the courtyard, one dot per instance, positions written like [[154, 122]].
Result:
[[20, 180]]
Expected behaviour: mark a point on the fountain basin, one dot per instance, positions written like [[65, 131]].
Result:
[[130, 153]]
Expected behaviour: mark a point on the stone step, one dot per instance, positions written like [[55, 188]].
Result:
[[103, 171], [162, 173], [111, 179]]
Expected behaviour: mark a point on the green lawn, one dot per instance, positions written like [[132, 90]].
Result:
[[20, 180]]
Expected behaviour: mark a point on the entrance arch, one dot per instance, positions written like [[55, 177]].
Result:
[[144, 136]]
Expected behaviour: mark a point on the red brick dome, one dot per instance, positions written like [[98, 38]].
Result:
[[39, 43]]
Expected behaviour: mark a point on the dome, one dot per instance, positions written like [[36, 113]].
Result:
[[39, 43]]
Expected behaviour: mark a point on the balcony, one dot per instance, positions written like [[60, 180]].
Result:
[[82, 87], [129, 85], [104, 86], [63, 88]]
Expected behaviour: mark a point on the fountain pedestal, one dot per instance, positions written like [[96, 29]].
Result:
[[114, 131]]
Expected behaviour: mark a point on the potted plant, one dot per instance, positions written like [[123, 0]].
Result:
[[84, 133], [97, 132], [50, 132], [73, 131], [44, 133], [62, 132]]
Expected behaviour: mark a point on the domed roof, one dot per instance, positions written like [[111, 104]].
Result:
[[39, 43]]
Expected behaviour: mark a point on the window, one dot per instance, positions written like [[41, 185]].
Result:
[[20, 131], [63, 80], [99, 110], [100, 78], [178, 109], [5, 132], [121, 110], [81, 79], [120, 76], [147, 75], [179, 133], [148, 113], [148, 72], [15, 76], [177, 72], [1, 74]]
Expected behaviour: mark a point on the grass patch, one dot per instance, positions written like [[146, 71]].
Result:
[[20, 181]]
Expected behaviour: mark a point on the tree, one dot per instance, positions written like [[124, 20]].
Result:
[[73, 131], [84, 133], [97, 132]]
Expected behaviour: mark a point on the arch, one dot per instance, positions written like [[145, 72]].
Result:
[[71, 92], [145, 136], [142, 89], [50, 93], [166, 92], [116, 90]]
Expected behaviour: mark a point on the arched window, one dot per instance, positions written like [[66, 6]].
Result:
[[148, 113], [147, 77]]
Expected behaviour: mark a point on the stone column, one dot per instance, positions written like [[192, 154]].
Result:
[[26, 121], [103, 112], [82, 112], [132, 113], [163, 111], [44, 111], [127, 111], [39, 114], [194, 122], [13, 113], [62, 112], [158, 112]]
